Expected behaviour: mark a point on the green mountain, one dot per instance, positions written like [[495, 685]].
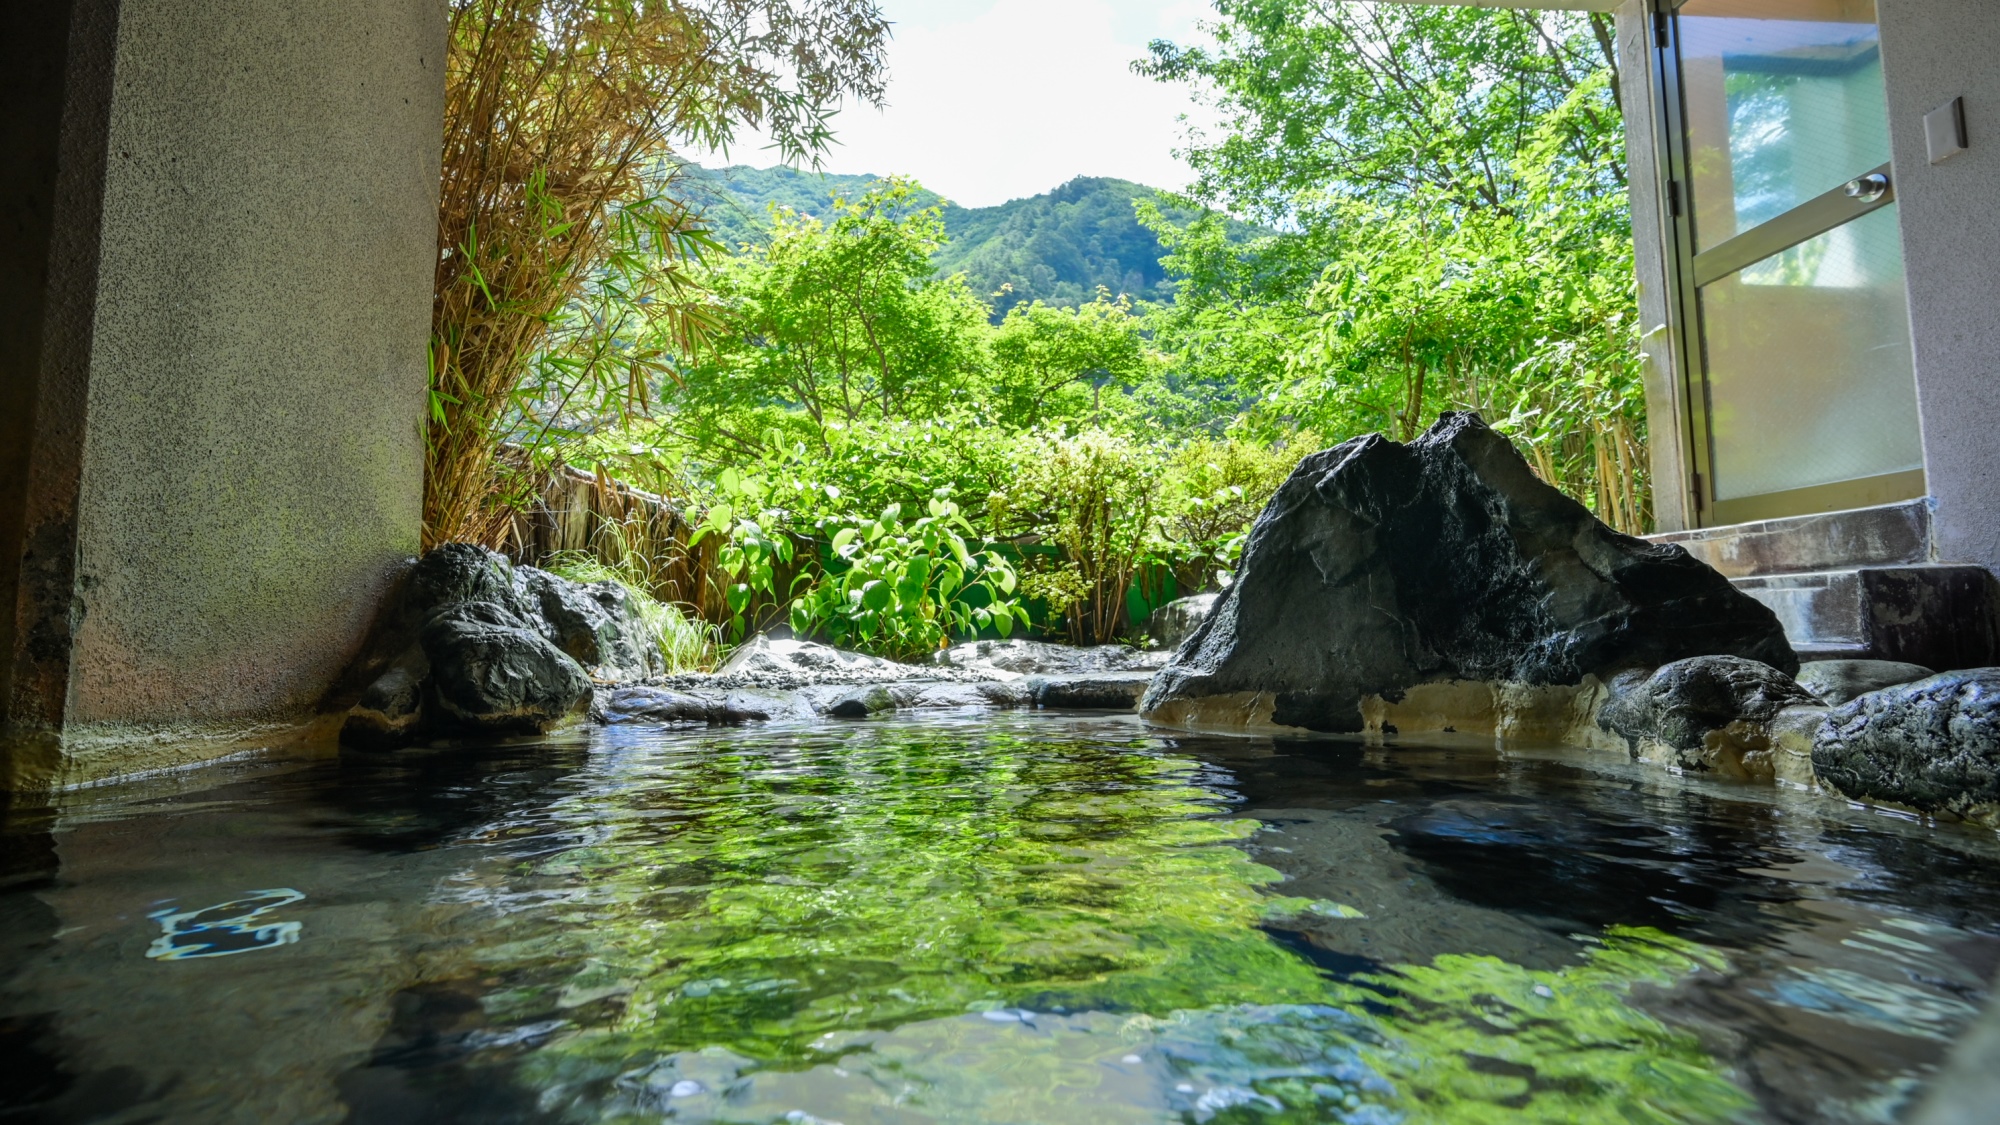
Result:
[[1058, 247], [736, 200]]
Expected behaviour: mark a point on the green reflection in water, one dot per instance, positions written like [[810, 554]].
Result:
[[1473, 1039], [789, 906]]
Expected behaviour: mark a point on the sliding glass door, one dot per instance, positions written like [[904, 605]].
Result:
[[1802, 395]]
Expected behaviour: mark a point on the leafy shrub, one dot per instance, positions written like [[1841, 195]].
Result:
[[1211, 493], [904, 589], [1091, 494], [754, 544]]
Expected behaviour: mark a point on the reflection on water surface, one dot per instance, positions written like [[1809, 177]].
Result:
[[978, 918]]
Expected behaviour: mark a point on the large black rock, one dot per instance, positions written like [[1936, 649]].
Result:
[[1933, 745], [492, 671], [474, 644], [1380, 566], [597, 624]]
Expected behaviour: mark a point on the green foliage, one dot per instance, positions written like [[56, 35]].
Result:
[[1063, 246], [893, 587], [1445, 229], [902, 589], [834, 322], [685, 644], [1091, 494], [1210, 494], [1326, 103], [609, 344], [1449, 182], [1055, 362], [740, 201], [754, 543], [552, 110]]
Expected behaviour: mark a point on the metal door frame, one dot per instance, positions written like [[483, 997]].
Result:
[[1688, 271]]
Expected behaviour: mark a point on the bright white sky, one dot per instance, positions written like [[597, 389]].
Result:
[[991, 100]]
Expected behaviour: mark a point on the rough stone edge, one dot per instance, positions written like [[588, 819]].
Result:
[[1550, 713], [110, 753], [1778, 752]]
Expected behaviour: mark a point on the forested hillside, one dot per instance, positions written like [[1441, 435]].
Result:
[[735, 201], [1057, 247]]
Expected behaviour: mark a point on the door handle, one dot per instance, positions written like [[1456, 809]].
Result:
[[1868, 188]]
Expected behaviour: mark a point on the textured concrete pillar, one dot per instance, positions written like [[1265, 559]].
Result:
[[227, 375], [1934, 51]]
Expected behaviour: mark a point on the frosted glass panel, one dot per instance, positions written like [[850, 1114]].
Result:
[[1780, 107], [1808, 360]]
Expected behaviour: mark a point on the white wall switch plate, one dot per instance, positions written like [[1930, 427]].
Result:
[[1944, 130]]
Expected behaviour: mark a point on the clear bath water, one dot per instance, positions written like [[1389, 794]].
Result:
[[1018, 918]]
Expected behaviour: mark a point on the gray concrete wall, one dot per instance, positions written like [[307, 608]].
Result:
[[1933, 51], [252, 465]]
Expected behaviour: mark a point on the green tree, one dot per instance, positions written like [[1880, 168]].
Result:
[[1448, 187], [1055, 362], [832, 324], [1327, 100]]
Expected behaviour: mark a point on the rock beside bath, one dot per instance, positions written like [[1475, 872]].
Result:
[[390, 710], [1837, 682], [918, 695], [1099, 691], [787, 663], [668, 708], [1932, 745], [1009, 658], [769, 658], [1708, 713], [474, 644], [697, 699], [594, 623], [861, 702], [1381, 567], [1173, 622], [492, 672]]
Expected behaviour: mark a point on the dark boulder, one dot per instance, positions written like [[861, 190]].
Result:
[[475, 644], [455, 573], [491, 671], [1680, 703], [1706, 713], [1932, 745], [390, 710], [596, 624], [1379, 567], [1837, 682]]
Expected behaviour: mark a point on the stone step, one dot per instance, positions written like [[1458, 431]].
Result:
[[1939, 616]]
